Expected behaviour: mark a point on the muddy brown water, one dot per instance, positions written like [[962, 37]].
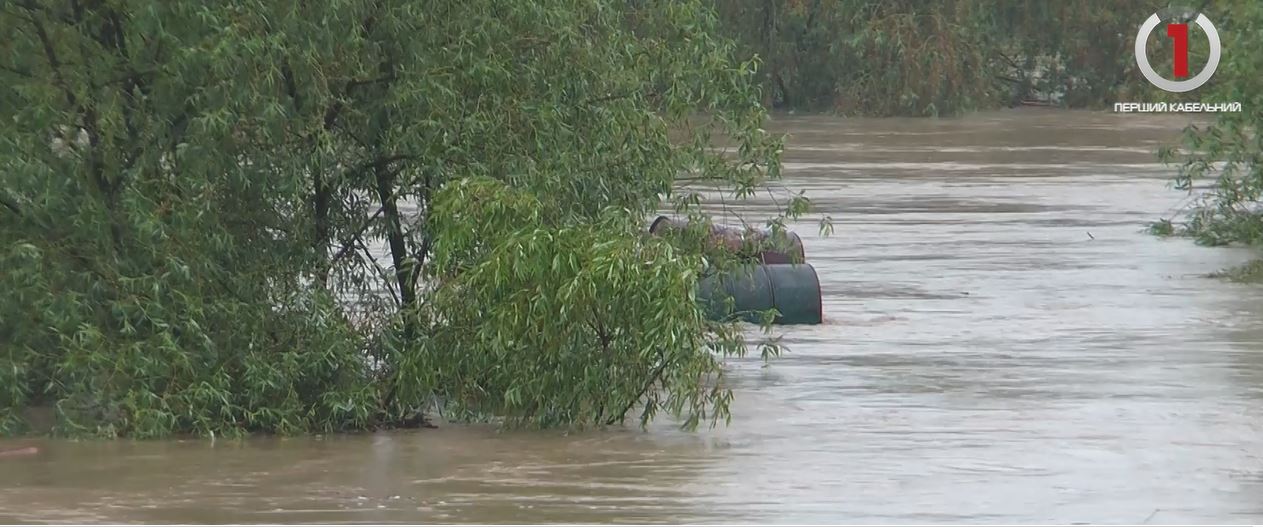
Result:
[[985, 360]]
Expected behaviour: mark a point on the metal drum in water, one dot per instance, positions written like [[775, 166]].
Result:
[[736, 240], [793, 289]]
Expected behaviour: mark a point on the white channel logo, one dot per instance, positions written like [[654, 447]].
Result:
[[1142, 57]]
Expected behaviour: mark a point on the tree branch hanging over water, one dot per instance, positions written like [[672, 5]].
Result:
[[194, 186]]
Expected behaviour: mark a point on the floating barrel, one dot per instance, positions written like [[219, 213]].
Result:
[[793, 289], [736, 240]]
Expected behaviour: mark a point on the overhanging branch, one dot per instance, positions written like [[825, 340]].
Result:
[[10, 204]]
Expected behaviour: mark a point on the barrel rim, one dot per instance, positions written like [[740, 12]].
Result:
[[819, 295], [819, 292], [653, 227], [802, 248]]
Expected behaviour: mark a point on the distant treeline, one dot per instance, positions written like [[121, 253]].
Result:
[[944, 57], [909, 57]]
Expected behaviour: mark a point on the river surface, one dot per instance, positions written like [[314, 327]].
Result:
[[1003, 343]]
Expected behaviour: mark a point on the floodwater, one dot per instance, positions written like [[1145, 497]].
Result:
[[1003, 343]]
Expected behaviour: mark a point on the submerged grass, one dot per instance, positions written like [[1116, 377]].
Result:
[[1247, 273]]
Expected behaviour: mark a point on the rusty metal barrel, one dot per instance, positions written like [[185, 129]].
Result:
[[740, 241], [792, 289]]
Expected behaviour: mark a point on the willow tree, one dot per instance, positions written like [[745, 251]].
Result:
[[219, 218], [1221, 163]]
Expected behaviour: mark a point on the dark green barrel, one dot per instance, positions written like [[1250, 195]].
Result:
[[793, 289]]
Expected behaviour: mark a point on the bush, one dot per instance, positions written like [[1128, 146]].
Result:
[[193, 197]]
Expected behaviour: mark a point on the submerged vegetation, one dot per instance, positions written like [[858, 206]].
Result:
[[239, 217], [1221, 163], [193, 196]]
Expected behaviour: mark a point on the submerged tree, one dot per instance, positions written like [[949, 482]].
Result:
[[192, 198], [1221, 164]]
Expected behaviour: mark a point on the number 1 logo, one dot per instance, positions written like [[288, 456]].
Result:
[[1179, 34], [1179, 37]]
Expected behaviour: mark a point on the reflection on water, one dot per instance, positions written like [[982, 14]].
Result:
[[1003, 344]]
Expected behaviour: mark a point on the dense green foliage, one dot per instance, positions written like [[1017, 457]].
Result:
[[880, 57], [1221, 164], [561, 323], [194, 199]]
